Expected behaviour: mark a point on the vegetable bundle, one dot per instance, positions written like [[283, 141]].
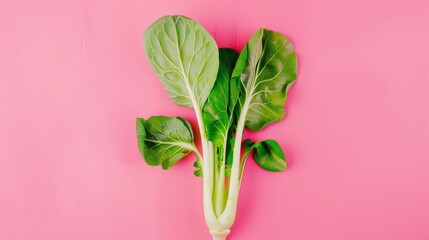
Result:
[[228, 91]]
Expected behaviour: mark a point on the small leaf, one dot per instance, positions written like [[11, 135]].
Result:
[[268, 155], [197, 164], [198, 171], [164, 140]]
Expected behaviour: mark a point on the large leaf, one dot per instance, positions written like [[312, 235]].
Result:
[[185, 58], [218, 114], [268, 154], [271, 69], [164, 140]]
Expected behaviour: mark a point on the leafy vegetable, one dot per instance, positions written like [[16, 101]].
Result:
[[228, 92]]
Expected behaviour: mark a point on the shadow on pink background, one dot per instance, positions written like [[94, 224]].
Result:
[[73, 78]]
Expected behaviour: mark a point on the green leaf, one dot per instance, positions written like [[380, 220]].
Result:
[[164, 140], [270, 70], [217, 114], [184, 57], [268, 155]]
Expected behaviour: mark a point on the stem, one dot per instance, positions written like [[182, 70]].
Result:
[[243, 162], [197, 153], [207, 167], [220, 182], [228, 215]]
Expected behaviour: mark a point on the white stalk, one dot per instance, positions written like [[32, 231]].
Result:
[[228, 216], [216, 228], [207, 168], [220, 184]]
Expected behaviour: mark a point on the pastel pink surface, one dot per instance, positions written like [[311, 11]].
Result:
[[73, 78]]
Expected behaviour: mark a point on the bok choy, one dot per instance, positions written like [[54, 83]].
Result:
[[228, 92]]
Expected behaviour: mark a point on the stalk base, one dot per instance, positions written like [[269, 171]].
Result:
[[220, 235]]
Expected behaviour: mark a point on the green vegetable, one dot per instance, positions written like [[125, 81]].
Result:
[[228, 92]]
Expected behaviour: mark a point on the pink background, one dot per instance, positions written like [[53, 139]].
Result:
[[73, 78]]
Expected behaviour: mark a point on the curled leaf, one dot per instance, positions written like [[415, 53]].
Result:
[[268, 154]]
